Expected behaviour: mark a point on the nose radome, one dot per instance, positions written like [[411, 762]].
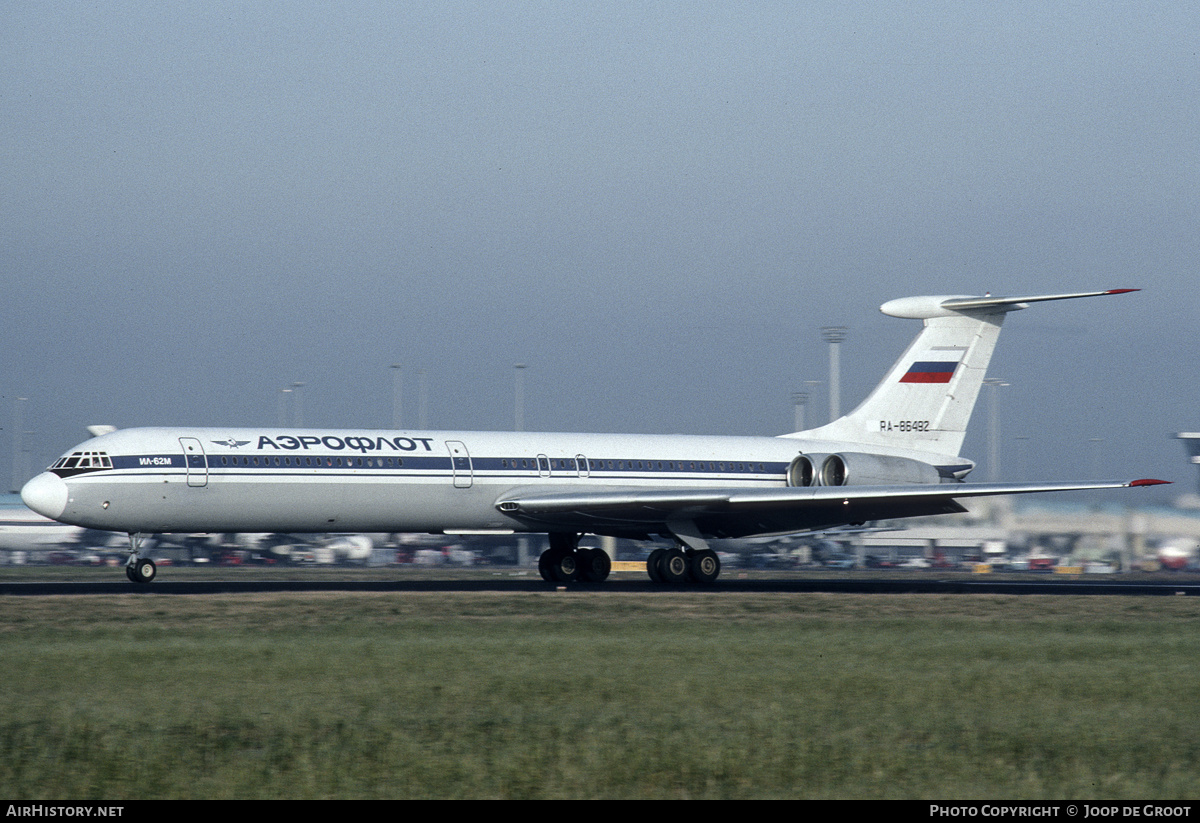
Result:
[[46, 494]]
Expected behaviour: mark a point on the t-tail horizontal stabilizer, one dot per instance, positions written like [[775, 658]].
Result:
[[921, 408], [921, 308]]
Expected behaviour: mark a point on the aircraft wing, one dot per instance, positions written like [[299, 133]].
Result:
[[731, 513]]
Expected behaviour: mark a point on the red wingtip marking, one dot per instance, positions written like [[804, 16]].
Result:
[[1120, 291], [1149, 482]]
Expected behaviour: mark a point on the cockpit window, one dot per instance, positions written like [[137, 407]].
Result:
[[77, 462]]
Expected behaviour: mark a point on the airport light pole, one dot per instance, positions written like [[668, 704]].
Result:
[[297, 406], [397, 398], [1022, 455], [1097, 453], [799, 400], [423, 399], [283, 396], [519, 397], [26, 451], [811, 391], [993, 383], [834, 335], [18, 425]]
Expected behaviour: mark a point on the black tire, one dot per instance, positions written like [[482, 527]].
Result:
[[144, 571], [674, 567], [652, 565], [583, 565], [594, 565], [705, 566], [546, 566], [565, 566]]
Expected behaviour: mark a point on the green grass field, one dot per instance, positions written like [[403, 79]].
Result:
[[581, 695]]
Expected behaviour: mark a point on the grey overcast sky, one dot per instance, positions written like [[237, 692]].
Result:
[[655, 206]]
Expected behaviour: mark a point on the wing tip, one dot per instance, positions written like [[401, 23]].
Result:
[[1147, 481], [1121, 291]]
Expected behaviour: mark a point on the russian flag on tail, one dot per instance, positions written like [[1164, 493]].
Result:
[[930, 371]]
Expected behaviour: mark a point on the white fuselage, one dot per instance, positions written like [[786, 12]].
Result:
[[245, 480]]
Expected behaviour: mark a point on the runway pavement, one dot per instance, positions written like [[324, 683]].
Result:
[[881, 586]]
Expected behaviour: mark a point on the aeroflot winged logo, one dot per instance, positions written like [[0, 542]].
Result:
[[231, 443]]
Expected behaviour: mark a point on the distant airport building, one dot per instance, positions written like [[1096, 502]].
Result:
[[1191, 442]]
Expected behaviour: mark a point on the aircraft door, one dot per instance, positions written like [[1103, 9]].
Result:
[[460, 464], [195, 461]]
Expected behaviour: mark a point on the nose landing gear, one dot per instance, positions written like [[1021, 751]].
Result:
[[139, 569]]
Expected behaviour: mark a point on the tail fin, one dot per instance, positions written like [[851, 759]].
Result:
[[925, 401]]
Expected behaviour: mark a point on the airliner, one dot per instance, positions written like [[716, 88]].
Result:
[[21, 529], [894, 456]]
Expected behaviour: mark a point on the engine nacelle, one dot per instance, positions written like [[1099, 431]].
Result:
[[805, 470], [856, 469]]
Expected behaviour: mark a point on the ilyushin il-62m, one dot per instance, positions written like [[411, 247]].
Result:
[[895, 456]]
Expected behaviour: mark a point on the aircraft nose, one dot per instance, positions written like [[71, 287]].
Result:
[[46, 494]]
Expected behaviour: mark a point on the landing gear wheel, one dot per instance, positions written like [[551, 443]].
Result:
[[705, 566], [652, 565], [544, 567], [566, 567], [559, 566], [142, 572], [674, 567], [583, 560], [594, 565]]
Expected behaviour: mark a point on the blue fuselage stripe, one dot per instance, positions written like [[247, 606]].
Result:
[[415, 466]]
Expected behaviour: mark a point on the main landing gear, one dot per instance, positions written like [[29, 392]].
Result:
[[137, 568], [565, 562], [680, 566]]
